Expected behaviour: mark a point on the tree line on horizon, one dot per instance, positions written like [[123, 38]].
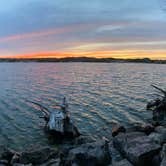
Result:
[[82, 59]]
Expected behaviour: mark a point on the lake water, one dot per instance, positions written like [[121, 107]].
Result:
[[100, 94]]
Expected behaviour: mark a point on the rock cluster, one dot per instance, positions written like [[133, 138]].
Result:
[[33, 156], [84, 150], [143, 145]]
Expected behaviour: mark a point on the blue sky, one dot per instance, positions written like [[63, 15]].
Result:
[[121, 27]]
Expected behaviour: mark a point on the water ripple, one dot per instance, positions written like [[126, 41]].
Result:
[[99, 94]]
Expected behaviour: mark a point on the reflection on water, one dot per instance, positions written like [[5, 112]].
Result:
[[100, 94]]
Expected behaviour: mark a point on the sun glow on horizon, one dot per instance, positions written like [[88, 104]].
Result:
[[127, 54]]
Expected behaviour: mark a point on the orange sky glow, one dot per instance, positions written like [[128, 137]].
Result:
[[96, 54]]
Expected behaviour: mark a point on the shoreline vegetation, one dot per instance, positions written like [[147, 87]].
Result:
[[84, 59]]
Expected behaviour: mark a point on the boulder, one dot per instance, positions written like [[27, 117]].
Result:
[[90, 154], [161, 130], [117, 129], [38, 155], [137, 148], [123, 162], [120, 141], [157, 137]]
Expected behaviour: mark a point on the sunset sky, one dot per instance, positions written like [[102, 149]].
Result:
[[94, 28]]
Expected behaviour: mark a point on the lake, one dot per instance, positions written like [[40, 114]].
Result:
[[100, 94]]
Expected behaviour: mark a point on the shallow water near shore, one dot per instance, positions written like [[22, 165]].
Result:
[[100, 94]]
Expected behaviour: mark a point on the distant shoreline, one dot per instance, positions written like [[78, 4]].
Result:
[[84, 59]]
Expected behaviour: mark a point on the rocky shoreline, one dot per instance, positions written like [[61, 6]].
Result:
[[141, 145]]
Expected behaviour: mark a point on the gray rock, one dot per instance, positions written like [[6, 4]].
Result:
[[117, 129], [123, 162], [90, 154], [52, 162], [3, 162], [37, 156], [163, 152], [138, 149], [116, 156], [19, 164], [161, 130], [163, 162], [157, 137], [121, 140]]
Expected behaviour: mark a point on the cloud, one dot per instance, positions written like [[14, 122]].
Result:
[[56, 31], [108, 28], [62, 25], [120, 46]]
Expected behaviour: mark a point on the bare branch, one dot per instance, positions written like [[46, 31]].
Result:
[[42, 108], [161, 90]]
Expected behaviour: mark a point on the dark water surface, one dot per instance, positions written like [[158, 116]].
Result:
[[100, 94]]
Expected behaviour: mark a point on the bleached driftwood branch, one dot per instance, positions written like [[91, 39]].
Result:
[[58, 121]]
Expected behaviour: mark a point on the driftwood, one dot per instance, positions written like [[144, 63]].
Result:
[[158, 106], [58, 121]]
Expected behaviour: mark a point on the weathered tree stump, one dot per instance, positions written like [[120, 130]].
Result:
[[58, 121]]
